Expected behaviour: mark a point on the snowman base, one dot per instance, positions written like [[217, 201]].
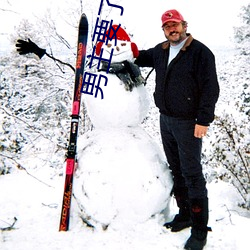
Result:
[[122, 178]]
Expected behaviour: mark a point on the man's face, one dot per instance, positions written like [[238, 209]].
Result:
[[174, 32]]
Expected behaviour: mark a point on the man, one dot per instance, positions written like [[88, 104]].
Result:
[[186, 93]]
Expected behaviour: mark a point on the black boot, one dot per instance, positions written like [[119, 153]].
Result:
[[182, 220], [199, 215]]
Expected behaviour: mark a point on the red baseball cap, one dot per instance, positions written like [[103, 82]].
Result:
[[171, 16]]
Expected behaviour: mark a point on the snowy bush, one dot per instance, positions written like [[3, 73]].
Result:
[[35, 104], [231, 153], [242, 33], [230, 139]]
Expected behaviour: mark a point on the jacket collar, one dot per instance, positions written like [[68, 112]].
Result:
[[166, 44]]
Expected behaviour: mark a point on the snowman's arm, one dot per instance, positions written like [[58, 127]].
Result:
[[25, 47]]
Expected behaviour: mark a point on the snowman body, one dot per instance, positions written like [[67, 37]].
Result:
[[119, 108], [122, 177]]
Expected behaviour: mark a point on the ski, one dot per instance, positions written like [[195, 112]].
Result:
[[71, 160]]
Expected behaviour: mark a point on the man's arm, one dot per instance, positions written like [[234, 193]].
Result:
[[145, 58], [208, 87]]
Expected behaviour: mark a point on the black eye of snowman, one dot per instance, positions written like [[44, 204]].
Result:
[[123, 44]]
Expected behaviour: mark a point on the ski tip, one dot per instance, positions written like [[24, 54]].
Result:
[[83, 24], [83, 16], [84, 19]]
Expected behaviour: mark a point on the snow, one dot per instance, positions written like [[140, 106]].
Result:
[[37, 208], [122, 182], [118, 108]]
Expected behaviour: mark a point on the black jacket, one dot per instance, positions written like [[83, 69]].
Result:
[[188, 87]]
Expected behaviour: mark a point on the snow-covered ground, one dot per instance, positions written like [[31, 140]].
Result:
[[37, 208]]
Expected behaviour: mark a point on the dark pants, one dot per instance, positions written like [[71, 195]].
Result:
[[183, 152]]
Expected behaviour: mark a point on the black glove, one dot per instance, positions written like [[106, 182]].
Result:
[[135, 73], [128, 72], [24, 47]]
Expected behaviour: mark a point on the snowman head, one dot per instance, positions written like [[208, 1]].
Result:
[[124, 49]]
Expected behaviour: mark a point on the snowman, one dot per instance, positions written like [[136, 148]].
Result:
[[122, 178]]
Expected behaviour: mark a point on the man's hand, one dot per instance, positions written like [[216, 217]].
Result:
[[24, 47], [200, 131]]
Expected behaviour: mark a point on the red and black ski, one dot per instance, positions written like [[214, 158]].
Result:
[[71, 153]]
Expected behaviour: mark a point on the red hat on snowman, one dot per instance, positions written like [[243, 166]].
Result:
[[121, 35]]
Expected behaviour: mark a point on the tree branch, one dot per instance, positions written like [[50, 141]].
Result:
[[57, 60], [10, 227], [19, 166]]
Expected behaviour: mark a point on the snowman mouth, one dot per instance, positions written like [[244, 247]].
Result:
[[115, 52]]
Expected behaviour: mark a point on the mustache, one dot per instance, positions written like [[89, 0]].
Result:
[[173, 32]]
